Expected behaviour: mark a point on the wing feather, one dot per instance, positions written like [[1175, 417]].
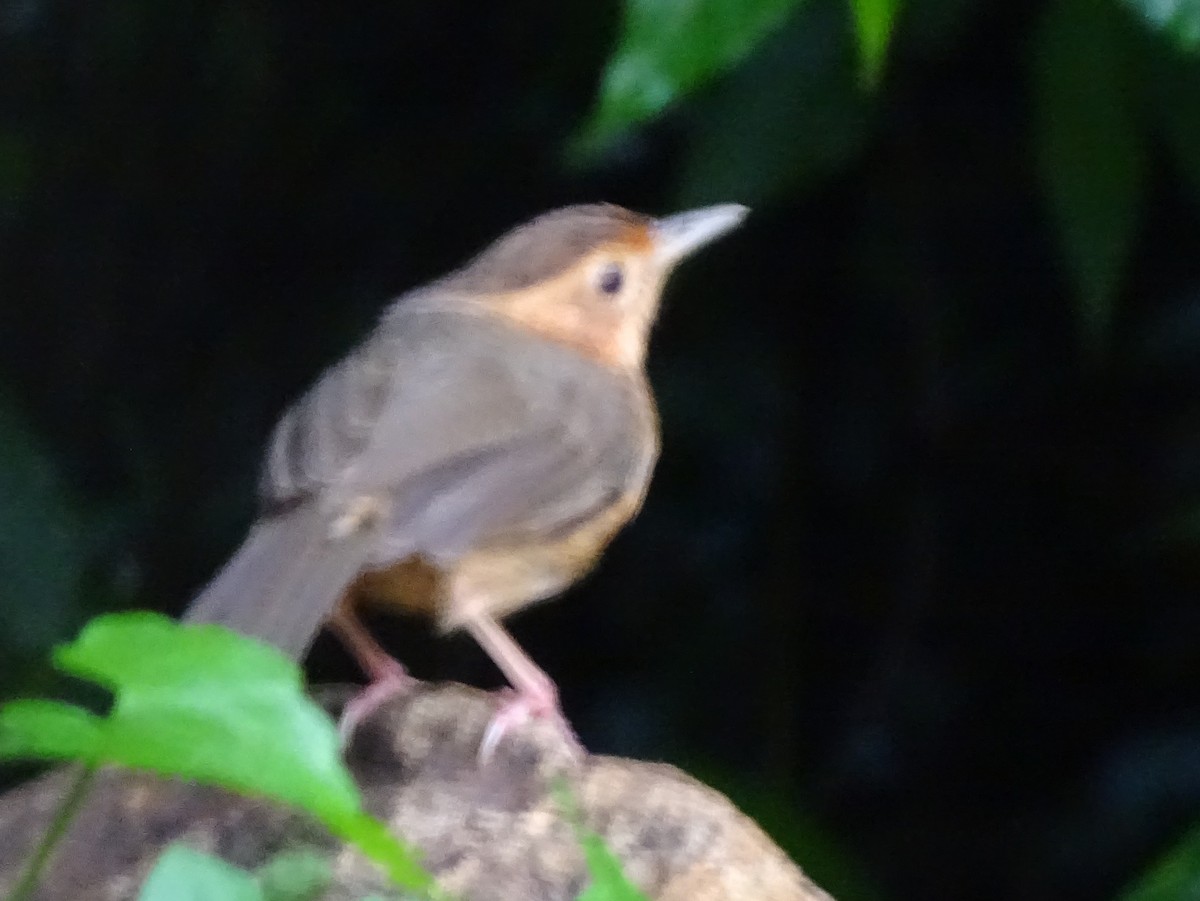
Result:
[[463, 429]]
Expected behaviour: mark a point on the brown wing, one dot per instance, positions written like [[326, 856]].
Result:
[[458, 426], [424, 387], [545, 436]]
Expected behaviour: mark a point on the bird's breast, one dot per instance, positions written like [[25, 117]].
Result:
[[503, 576]]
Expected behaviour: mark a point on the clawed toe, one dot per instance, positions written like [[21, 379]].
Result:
[[515, 709], [393, 682]]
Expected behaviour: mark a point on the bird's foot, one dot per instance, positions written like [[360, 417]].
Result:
[[533, 695], [516, 708], [389, 679]]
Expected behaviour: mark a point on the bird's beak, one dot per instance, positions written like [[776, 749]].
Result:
[[677, 236]]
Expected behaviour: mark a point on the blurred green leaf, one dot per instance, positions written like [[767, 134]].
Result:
[[297, 875], [1180, 528], [1175, 877], [1180, 19], [182, 874], [204, 703], [669, 48], [1173, 82], [609, 882], [754, 144], [932, 27], [41, 547], [16, 167], [1090, 147], [873, 23], [199, 702], [782, 816]]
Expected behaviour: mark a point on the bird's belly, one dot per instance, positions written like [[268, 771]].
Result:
[[496, 581], [413, 584], [498, 578]]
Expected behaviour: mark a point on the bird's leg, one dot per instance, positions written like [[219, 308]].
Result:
[[388, 677], [534, 693]]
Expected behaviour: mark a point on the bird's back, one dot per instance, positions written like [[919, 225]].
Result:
[[496, 458]]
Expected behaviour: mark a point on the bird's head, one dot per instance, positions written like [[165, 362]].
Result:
[[589, 276]]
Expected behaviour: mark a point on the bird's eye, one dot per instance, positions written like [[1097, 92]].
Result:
[[611, 278]]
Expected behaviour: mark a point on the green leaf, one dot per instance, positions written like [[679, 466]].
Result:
[[1090, 148], [1179, 19], [932, 28], [873, 23], [182, 874], [297, 875], [204, 703], [756, 144], [1180, 528], [16, 167], [669, 48], [1173, 82], [784, 817], [376, 841], [1175, 877], [609, 882], [199, 702], [41, 545]]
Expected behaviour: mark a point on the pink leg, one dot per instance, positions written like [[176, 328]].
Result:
[[388, 677], [534, 693]]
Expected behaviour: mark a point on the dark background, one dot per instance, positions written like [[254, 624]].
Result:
[[916, 580]]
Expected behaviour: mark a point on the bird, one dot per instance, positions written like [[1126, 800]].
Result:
[[473, 455]]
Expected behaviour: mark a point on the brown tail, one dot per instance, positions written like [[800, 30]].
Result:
[[283, 582]]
